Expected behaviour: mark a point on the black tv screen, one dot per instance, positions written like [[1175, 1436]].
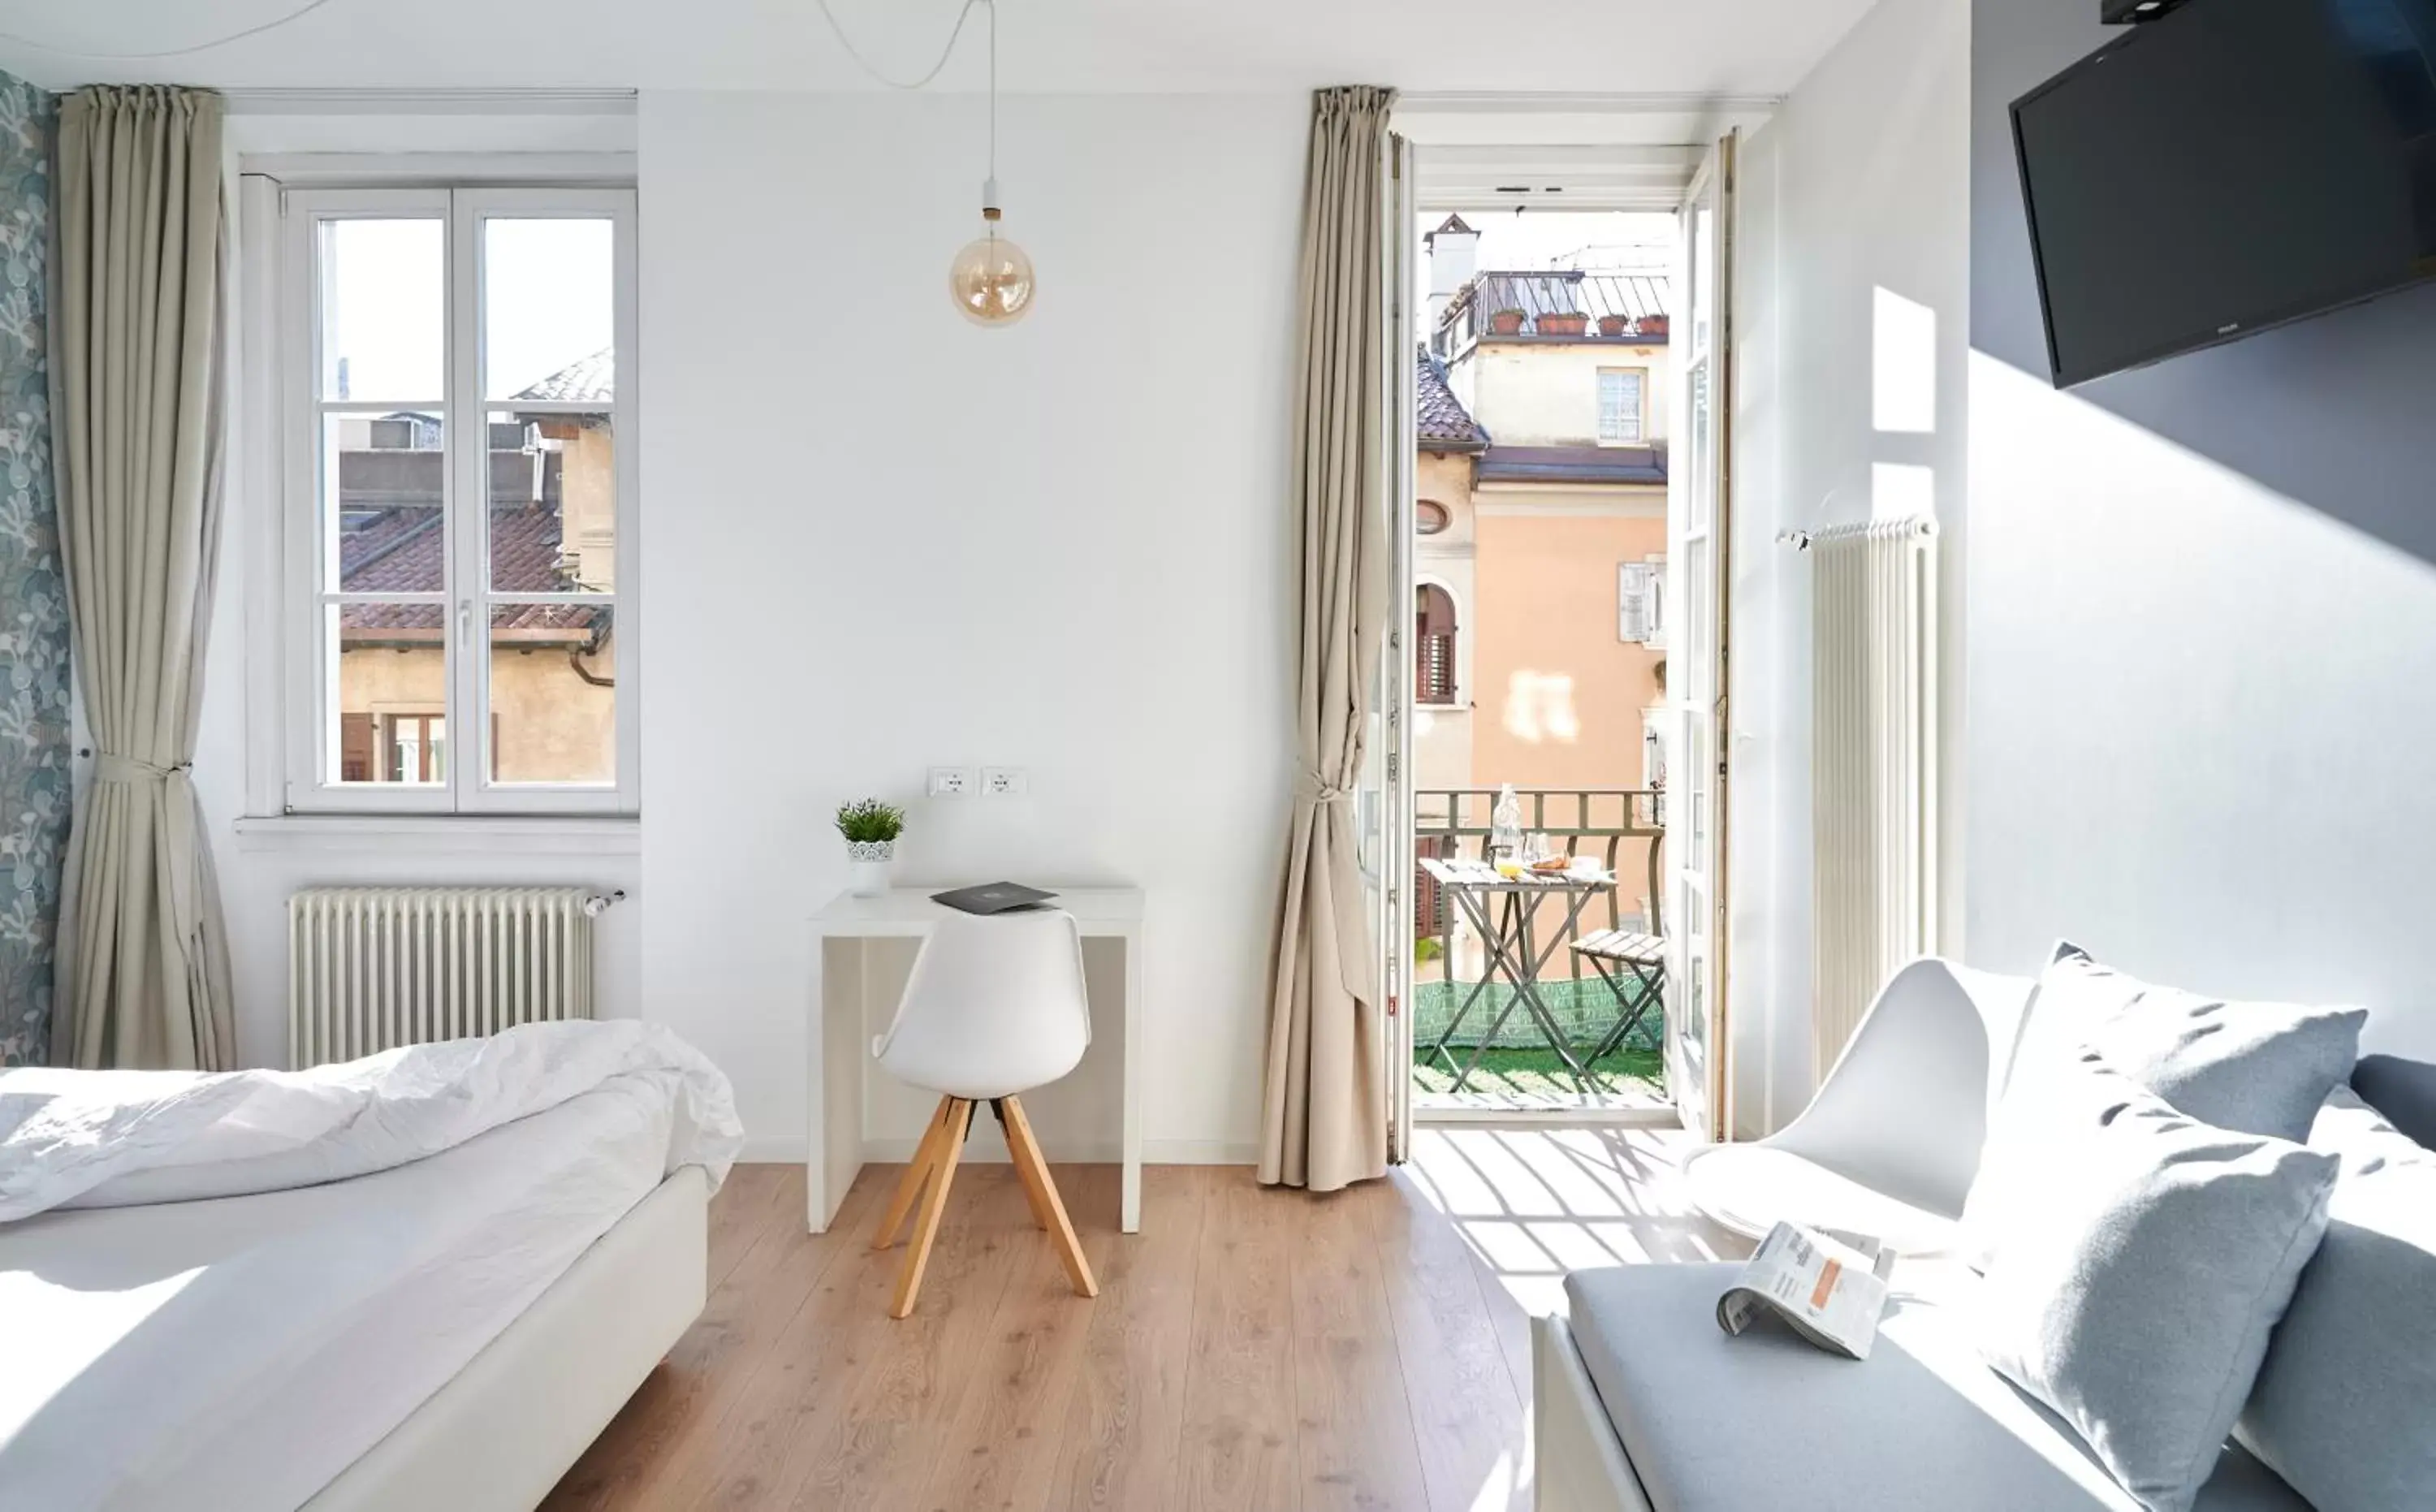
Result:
[[2233, 165]]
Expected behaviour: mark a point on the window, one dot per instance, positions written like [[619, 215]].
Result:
[[1619, 403], [1430, 517], [1433, 633], [459, 491]]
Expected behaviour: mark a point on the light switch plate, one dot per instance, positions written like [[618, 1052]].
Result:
[[952, 782], [1004, 782]]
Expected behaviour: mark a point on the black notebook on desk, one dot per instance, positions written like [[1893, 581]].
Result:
[[993, 897]]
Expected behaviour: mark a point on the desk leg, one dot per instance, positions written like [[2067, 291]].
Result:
[[833, 1110], [1129, 1181]]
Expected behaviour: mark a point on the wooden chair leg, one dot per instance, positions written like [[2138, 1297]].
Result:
[[934, 1202], [1034, 1171], [1032, 1195], [909, 1189]]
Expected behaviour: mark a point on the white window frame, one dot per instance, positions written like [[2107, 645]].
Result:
[[308, 785], [1640, 413]]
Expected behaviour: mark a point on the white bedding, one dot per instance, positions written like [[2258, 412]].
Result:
[[219, 1291], [109, 1138], [236, 1353]]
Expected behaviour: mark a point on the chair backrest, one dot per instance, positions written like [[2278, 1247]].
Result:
[[1904, 1111], [1003, 991]]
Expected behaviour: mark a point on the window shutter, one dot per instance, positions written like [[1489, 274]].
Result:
[[1635, 604], [358, 744]]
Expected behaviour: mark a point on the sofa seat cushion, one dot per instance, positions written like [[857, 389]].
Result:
[[1713, 1423]]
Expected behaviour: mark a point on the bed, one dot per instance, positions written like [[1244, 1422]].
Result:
[[449, 1330]]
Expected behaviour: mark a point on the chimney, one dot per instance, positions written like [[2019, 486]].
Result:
[[1454, 256]]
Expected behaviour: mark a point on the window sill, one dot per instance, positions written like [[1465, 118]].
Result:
[[443, 834]]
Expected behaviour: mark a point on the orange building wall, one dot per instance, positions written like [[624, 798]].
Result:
[[1559, 697]]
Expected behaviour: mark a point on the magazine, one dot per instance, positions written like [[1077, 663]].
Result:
[[1830, 1287]]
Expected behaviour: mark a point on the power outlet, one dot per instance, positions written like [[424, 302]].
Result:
[[1004, 782], [952, 782]]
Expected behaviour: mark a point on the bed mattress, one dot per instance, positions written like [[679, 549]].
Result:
[[238, 1353]]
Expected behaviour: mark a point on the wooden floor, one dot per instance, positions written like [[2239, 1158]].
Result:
[[1250, 1349]]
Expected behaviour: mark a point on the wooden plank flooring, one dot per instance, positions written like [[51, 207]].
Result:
[[1251, 1349]]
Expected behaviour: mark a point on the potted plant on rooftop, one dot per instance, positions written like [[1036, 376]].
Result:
[[1614, 325], [1506, 323], [870, 829], [1564, 323]]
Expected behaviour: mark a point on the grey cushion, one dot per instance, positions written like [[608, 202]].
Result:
[[2345, 1406], [2255, 1068], [2137, 1269], [1719, 1424]]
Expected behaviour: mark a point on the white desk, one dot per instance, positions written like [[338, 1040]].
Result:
[[841, 1041]]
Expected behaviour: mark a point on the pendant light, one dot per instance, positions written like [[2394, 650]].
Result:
[[990, 278]]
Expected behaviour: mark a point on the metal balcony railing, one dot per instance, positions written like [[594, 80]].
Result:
[[1623, 827]]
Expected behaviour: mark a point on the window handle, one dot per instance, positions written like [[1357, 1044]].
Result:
[[466, 619]]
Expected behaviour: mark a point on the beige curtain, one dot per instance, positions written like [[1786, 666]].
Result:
[[1324, 1116], [135, 359]]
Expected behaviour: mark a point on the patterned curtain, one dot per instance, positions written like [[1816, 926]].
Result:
[[34, 800]]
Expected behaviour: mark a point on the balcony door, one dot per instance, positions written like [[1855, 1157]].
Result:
[[1699, 494]]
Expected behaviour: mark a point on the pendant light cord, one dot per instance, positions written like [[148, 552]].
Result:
[[944, 53], [254, 30]]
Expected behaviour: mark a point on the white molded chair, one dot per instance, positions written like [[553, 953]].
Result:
[[1890, 1143], [995, 1006]]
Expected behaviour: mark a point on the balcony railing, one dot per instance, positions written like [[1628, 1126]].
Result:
[[1624, 829]]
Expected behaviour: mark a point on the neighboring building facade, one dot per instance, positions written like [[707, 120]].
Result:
[[552, 530], [1541, 507]]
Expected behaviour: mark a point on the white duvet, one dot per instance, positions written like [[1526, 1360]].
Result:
[[113, 1139]]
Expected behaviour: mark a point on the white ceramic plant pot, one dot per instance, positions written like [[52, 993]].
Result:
[[867, 866]]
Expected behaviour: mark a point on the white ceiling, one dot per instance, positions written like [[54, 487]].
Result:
[[1610, 46]]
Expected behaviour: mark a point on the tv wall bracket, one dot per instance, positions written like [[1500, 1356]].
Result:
[[2133, 12]]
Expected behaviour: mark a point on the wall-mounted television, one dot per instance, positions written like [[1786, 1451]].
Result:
[[2233, 166]]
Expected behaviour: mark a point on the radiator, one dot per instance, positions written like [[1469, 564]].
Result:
[[1874, 761], [370, 968]]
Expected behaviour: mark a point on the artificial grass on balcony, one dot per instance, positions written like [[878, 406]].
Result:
[[1586, 1009], [1539, 1073], [1520, 1064]]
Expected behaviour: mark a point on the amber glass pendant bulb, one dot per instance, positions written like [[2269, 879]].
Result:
[[991, 278]]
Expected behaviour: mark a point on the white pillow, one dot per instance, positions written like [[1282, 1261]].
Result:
[[2137, 1271]]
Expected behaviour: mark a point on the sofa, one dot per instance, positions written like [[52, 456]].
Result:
[[1644, 1404]]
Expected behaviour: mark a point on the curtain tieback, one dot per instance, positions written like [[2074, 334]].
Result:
[[108, 768], [1309, 787]]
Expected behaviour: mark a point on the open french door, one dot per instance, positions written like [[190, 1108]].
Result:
[[1699, 500], [1386, 801]]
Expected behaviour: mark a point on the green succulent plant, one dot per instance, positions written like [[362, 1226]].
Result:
[[867, 821]]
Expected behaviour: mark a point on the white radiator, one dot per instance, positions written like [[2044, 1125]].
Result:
[[370, 968], [1874, 761]]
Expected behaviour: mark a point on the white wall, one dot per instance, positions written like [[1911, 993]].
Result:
[[2203, 619], [878, 538], [1856, 191]]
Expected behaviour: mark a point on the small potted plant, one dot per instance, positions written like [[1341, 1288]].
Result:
[[870, 829], [1506, 323], [1652, 327], [1614, 325], [1564, 323]]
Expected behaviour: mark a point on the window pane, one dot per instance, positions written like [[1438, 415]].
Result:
[[384, 481], [550, 309], [385, 713], [553, 696], [383, 326], [553, 481]]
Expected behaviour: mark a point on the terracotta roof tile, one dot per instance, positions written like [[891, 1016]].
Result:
[[1445, 424], [406, 551], [594, 377]]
